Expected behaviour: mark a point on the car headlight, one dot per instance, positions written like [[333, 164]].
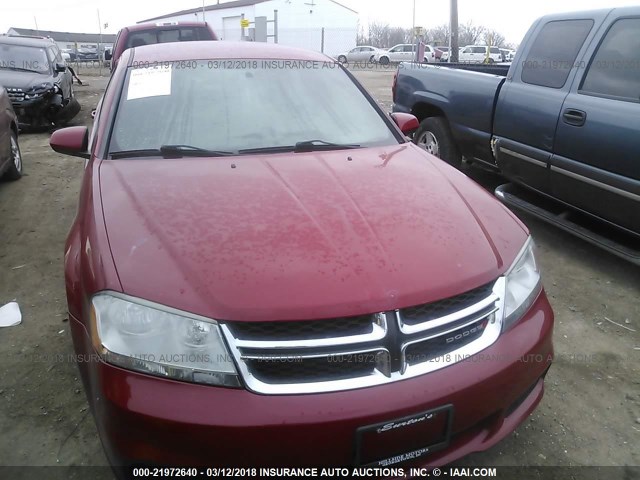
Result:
[[158, 340], [523, 284], [39, 91]]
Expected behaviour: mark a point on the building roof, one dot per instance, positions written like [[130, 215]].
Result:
[[221, 6], [66, 36]]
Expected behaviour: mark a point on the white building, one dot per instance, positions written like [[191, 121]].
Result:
[[321, 25]]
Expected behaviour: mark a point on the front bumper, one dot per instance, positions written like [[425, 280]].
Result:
[[148, 420]]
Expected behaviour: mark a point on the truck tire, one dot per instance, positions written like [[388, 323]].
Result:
[[15, 168], [435, 137]]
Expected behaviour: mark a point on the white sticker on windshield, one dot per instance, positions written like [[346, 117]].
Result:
[[149, 82]]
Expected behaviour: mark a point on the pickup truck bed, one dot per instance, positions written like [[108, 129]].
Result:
[[442, 95]]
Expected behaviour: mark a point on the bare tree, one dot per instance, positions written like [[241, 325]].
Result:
[[438, 35], [379, 34], [494, 38], [361, 37], [398, 35], [470, 34]]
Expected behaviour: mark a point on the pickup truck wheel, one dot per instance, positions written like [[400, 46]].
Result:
[[15, 168], [435, 137]]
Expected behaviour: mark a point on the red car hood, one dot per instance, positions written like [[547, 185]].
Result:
[[304, 235]]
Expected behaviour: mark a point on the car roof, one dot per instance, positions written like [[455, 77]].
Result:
[[208, 50], [26, 41], [160, 25]]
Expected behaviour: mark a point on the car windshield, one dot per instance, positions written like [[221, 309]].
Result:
[[20, 57], [236, 105]]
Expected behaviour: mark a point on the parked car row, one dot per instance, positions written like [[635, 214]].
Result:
[[406, 52]]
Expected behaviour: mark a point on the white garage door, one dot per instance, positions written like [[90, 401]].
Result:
[[231, 28]]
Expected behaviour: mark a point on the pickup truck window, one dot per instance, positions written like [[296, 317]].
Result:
[[164, 35], [615, 68], [554, 52]]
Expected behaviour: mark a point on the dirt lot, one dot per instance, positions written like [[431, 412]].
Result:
[[590, 414]]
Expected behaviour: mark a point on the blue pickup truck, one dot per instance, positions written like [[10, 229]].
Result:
[[562, 123]]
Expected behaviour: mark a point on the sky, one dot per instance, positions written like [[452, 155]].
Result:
[[510, 17]]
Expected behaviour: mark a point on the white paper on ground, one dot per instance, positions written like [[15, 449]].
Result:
[[10, 315], [149, 82]]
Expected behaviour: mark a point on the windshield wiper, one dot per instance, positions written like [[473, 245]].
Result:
[[145, 152], [306, 146], [313, 145], [171, 151], [191, 151]]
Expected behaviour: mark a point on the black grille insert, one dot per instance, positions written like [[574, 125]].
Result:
[[302, 330], [441, 308]]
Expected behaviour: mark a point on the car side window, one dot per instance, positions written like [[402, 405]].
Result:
[[615, 68], [554, 52], [51, 56], [408, 48], [467, 50]]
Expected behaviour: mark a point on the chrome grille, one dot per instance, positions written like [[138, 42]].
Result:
[[16, 95], [366, 350]]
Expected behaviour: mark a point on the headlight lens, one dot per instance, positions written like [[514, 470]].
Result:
[[522, 285], [157, 340]]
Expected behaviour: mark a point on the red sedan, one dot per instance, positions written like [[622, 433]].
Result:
[[264, 271]]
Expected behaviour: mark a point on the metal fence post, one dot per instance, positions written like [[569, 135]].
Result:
[[275, 26], [322, 41]]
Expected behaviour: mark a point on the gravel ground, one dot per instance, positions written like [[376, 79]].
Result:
[[590, 414]]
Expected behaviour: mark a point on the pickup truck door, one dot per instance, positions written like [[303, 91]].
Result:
[[531, 99], [596, 161]]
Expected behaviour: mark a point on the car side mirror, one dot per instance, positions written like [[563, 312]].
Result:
[[406, 122], [60, 67], [72, 141], [107, 55]]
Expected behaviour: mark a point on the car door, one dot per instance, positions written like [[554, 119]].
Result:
[[353, 54], [596, 160], [410, 53], [531, 98], [466, 54], [367, 53]]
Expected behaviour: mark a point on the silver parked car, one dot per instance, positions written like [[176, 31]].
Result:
[[404, 52], [363, 53]]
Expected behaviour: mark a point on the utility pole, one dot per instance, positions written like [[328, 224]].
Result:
[[100, 55], [453, 39], [413, 25], [203, 19]]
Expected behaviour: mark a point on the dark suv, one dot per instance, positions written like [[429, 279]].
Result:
[[38, 82]]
